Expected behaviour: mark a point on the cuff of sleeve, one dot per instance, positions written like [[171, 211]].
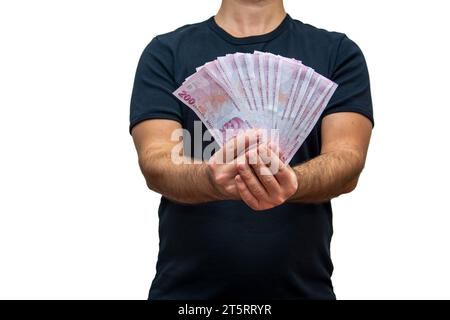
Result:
[[356, 109], [150, 116]]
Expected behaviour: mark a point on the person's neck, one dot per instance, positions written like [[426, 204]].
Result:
[[245, 18]]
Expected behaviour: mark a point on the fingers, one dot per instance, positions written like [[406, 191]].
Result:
[[245, 193], [279, 169], [236, 146], [252, 182], [263, 172], [246, 140], [264, 181]]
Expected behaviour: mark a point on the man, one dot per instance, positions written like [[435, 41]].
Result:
[[227, 231]]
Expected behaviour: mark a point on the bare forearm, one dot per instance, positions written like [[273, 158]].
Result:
[[328, 176], [183, 183], [159, 146]]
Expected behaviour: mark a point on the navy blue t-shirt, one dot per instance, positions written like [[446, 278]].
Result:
[[225, 249]]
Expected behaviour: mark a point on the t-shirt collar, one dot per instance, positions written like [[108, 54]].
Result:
[[252, 39]]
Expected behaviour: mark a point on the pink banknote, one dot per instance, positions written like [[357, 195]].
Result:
[[276, 94]]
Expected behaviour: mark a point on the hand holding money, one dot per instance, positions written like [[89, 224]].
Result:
[[248, 168], [278, 96], [223, 165], [264, 181]]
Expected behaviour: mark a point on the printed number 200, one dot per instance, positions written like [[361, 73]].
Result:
[[186, 97]]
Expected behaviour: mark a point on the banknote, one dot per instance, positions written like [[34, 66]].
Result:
[[211, 103], [259, 90]]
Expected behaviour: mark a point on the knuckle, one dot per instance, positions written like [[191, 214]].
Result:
[[253, 205], [294, 190], [220, 178], [229, 188], [245, 173], [294, 187], [278, 200], [263, 207], [267, 179], [289, 191], [267, 207], [258, 192]]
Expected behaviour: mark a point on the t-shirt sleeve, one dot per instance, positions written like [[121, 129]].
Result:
[[152, 96], [351, 74]]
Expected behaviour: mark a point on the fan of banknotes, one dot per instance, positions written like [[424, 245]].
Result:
[[244, 91]]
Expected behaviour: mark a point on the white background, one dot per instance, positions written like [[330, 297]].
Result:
[[76, 219]]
